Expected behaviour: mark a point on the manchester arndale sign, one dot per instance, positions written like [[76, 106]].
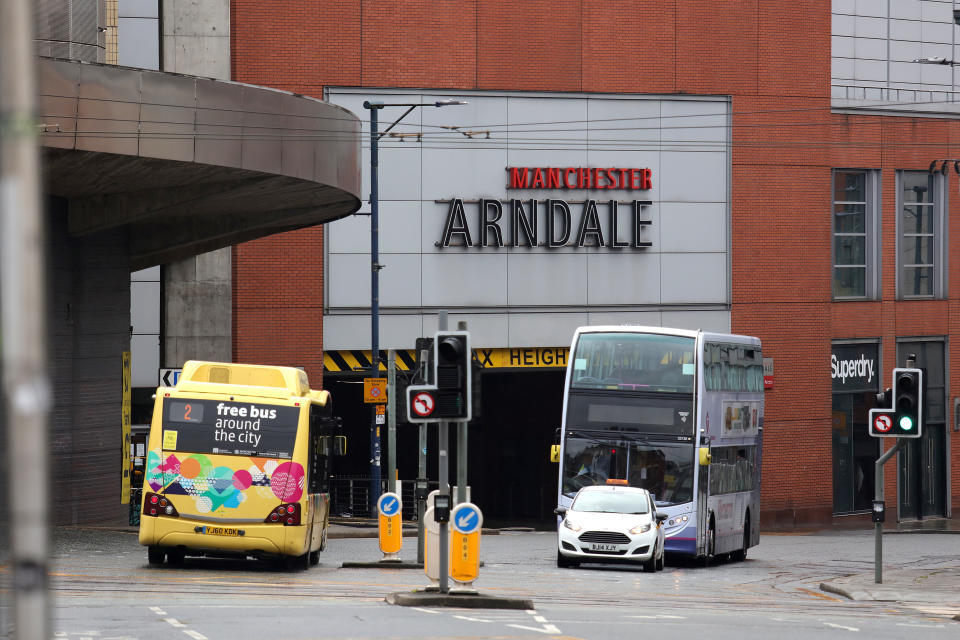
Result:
[[555, 222]]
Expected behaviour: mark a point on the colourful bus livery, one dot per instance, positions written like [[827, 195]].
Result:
[[238, 464]]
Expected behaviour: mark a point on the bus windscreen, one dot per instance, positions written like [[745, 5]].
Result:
[[230, 428]]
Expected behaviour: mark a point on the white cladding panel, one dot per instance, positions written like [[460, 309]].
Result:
[[529, 296]]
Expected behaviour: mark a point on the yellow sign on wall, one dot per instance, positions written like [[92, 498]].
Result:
[[125, 429], [524, 357]]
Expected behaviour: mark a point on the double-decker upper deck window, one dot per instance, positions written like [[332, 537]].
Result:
[[854, 245], [634, 362], [920, 235]]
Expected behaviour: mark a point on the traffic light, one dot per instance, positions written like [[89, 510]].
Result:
[[907, 402], [452, 375]]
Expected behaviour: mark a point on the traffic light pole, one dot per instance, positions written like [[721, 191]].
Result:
[[878, 496]]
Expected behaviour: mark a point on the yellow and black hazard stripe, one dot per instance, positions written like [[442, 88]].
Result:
[[344, 361]]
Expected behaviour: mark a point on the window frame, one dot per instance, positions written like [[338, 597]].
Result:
[[938, 237], [871, 234]]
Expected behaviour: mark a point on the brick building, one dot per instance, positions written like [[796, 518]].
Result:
[[838, 243]]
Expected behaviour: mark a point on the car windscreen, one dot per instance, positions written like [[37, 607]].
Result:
[[611, 502], [231, 428]]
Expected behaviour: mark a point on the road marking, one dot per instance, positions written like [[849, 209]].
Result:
[[425, 610], [818, 595], [158, 611], [173, 622], [922, 626], [840, 626], [546, 628], [196, 635], [469, 619]]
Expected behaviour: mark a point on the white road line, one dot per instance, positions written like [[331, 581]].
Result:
[[469, 619], [425, 610], [921, 626], [158, 611], [173, 622], [196, 635], [840, 626], [546, 628]]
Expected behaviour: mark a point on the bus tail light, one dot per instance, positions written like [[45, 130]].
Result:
[[287, 514], [157, 505]]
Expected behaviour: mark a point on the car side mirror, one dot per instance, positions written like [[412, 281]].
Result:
[[561, 511], [661, 516]]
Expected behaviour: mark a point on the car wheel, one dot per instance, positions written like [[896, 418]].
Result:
[[650, 566], [662, 560], [315, 557], [156, 555], [175, 556], [564, 562]]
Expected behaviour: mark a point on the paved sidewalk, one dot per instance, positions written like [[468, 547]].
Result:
[[936, 588], [933, 588]]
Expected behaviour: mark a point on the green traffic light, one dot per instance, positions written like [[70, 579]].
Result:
[[906, 423]]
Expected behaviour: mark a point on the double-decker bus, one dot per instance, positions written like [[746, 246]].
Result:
[[676, 412], [238, 464]]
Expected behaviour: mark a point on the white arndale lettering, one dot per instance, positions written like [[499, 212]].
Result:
[[244, 426], [843, 369]]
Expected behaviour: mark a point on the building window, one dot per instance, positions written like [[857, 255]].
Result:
[[854, 234], [920, 235]]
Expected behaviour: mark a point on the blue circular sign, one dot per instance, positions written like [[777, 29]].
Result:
[[466, 518], [389, 504]]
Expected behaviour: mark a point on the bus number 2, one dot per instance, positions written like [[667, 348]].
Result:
[[186, 412]]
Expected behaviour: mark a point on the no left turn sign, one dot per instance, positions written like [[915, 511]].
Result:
[[882, 423], [423, 404]]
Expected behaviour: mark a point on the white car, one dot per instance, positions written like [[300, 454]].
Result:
[[611, 523]]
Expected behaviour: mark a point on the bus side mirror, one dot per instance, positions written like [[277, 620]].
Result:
[[554, 453], [705, 456], [340, 445]]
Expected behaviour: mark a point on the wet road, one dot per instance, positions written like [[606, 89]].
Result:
[[104, 589]]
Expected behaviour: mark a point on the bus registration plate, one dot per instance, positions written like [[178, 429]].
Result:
[[595, 546], [221, 531]]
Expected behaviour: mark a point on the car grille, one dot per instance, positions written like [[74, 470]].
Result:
[[604, 537]]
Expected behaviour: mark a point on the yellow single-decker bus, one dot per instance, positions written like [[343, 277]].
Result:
[[238, 464]]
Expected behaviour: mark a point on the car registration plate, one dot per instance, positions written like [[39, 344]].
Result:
[[595, 546], [221, 531]]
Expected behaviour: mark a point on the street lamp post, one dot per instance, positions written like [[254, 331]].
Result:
[[375, 266]]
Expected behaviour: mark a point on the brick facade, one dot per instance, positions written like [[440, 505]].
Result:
[[785, 143]]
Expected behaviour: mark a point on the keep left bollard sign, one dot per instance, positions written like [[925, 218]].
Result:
[[465, 521], [390, 523]]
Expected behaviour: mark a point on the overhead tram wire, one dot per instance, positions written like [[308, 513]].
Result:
[[513, 126]]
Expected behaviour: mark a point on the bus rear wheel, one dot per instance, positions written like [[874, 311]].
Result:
[[741, 554], [156, 555]]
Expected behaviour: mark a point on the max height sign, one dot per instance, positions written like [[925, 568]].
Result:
[[516, 222]]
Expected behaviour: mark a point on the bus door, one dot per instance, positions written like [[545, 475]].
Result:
[[703, 509]]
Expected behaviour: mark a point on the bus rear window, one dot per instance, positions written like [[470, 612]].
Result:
[[634, 362], [230, 428]]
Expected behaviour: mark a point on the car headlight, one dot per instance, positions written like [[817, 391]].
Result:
[[573, 526], [640, 528]]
